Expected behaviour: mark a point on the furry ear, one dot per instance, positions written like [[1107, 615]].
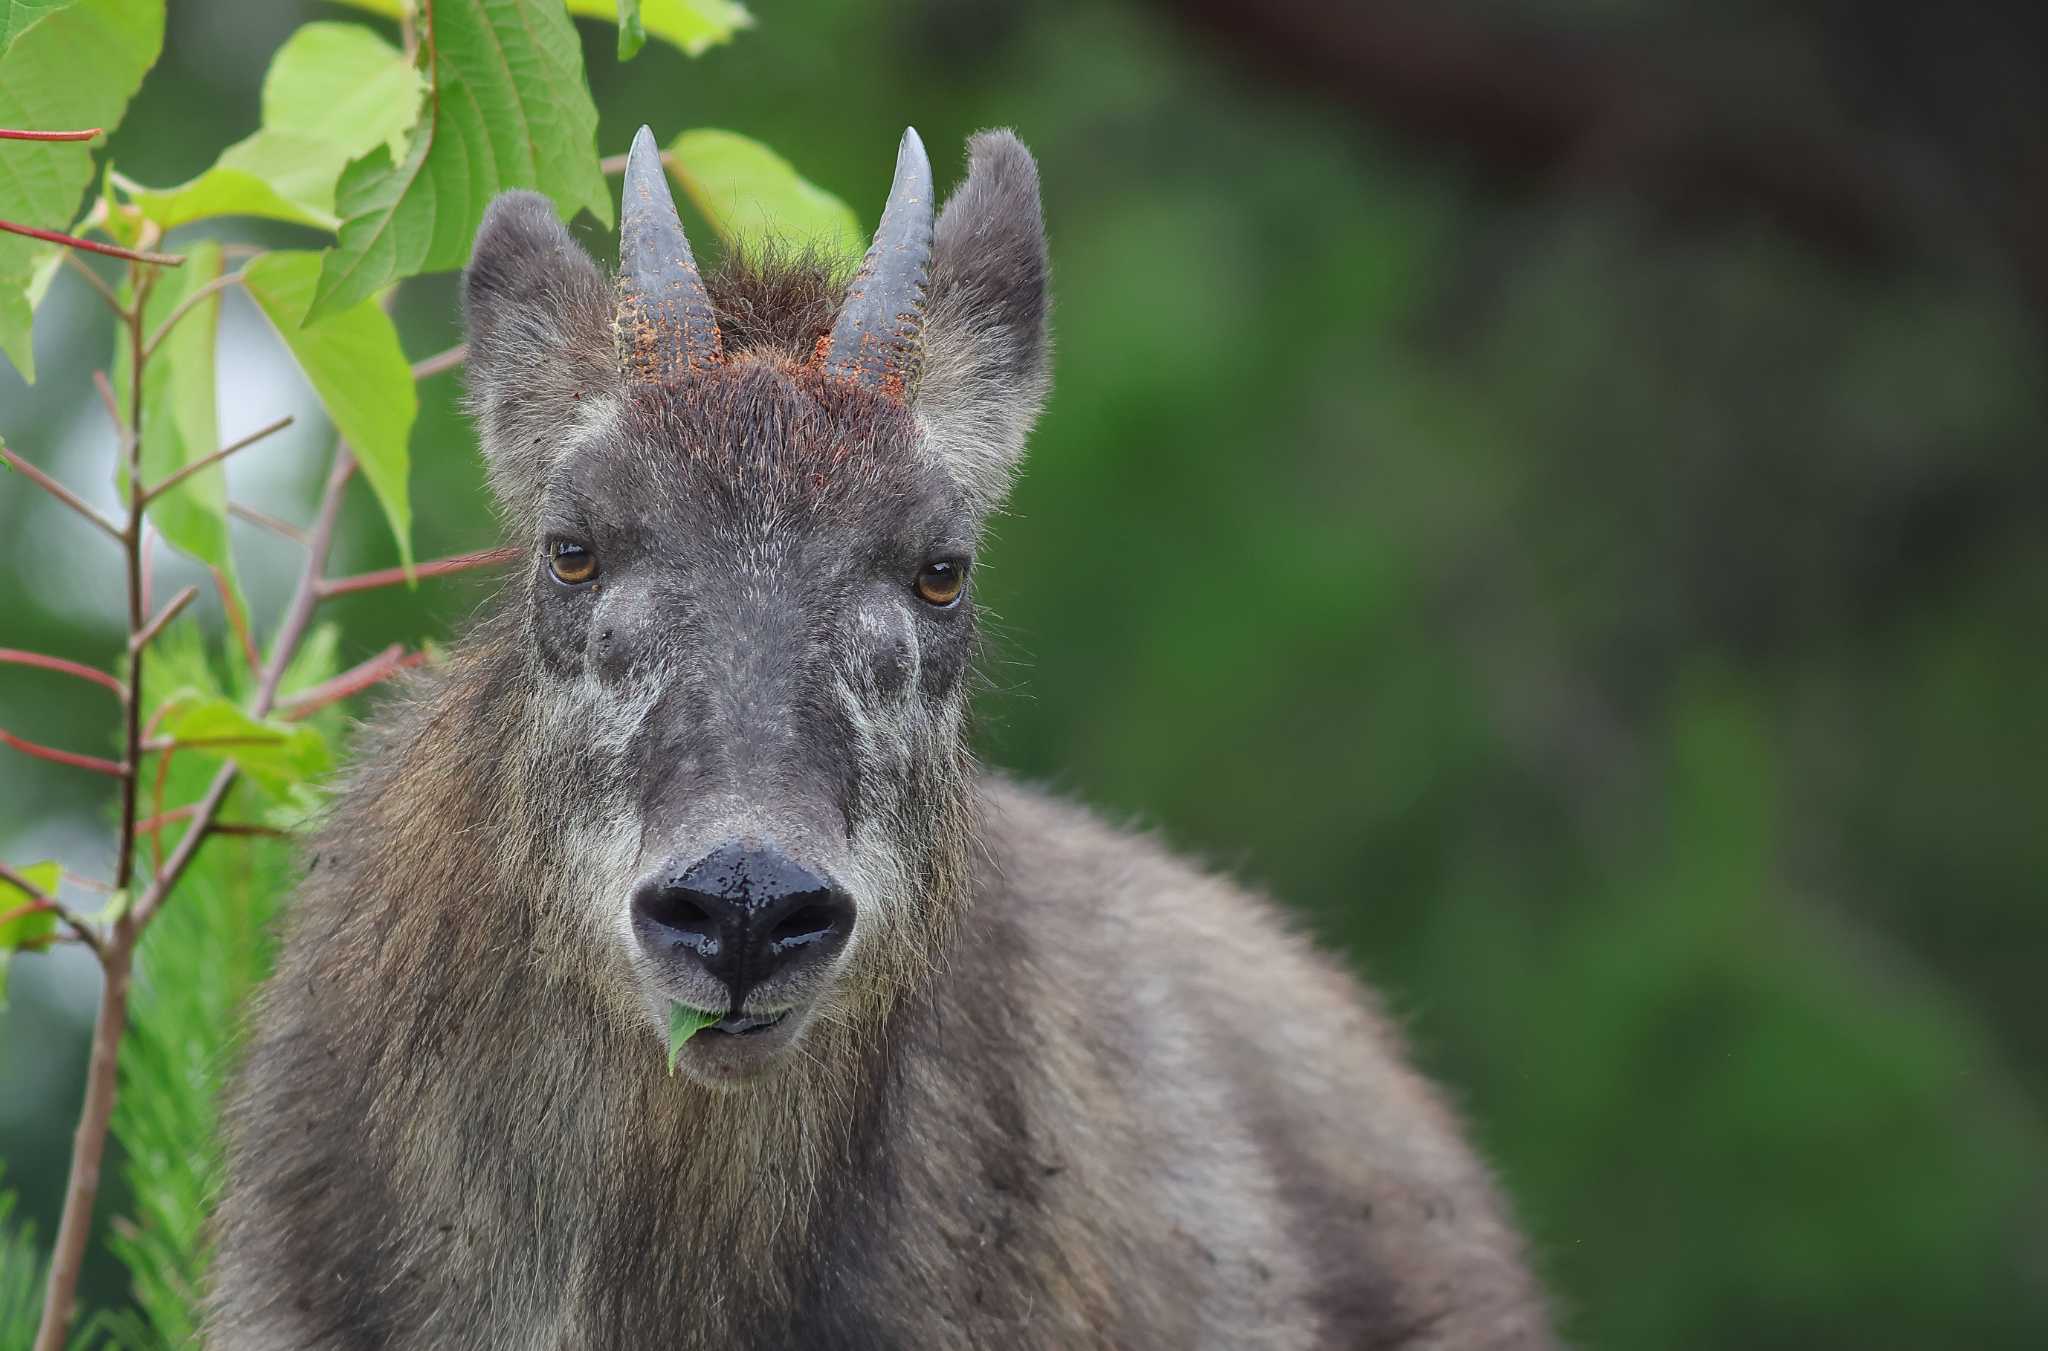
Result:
[[540, 343], [987, 351]]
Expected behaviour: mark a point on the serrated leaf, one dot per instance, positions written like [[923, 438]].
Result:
[[65, 67], [691, 26], [632, 30], [748, 192], [334, 92], [356, 366], [684, 1023], [179, 419], [276, 754], [508, 107]]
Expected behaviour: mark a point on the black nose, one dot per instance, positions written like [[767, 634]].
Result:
[[745, 911]]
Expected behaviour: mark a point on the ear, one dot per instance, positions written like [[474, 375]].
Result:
[[540, 343], [987, 351]]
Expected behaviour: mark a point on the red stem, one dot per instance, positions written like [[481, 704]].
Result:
[[37, 659], [92, 245], [237, 620], [370, 581], [32, 908], [356, 679], [149, 631], [55, 756], [13, 134], [61, 493]]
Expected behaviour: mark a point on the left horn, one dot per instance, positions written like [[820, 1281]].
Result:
[[877, 340], [665, 325]]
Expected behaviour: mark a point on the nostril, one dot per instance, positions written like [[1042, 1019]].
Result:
[[681, 917], [807, 924]]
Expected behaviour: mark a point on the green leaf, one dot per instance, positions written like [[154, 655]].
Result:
[[508, 108], [65, 67], [692, 26], [116, 905], [17, 15], [179, 424], [747, 191], [632, 30], [684, 1023], [334, 92], [356, 366], [25, 931], [276, 754]]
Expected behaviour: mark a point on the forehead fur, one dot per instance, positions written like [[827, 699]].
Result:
[[764, 438]]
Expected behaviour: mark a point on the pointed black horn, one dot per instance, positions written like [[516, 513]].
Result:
[[665, 325], [877, 339]]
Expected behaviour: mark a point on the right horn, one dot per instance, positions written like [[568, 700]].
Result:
[[877, 340]]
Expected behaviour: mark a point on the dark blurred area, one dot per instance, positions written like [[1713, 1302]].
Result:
[[1553, 490]]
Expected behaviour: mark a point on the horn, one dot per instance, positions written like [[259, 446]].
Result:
[[665, 326], [876, 341]]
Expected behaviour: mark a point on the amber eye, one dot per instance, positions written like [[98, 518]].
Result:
[[572, 564], [940, 583]]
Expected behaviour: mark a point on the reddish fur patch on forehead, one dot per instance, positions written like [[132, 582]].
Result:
[[781, 432]]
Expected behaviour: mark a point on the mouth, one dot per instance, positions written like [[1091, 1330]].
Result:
[[746, 1024], [739, 1046]]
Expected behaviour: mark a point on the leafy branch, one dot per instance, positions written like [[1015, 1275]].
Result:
[[364, 139]]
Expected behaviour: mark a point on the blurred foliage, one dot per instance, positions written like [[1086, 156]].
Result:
[[1624, 638]]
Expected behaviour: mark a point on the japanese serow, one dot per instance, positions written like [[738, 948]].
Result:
[[976, 1069]]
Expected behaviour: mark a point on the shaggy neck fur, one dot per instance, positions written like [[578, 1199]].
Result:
[[510, 1070]]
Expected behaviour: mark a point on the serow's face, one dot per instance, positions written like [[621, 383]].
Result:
[[750, 605]]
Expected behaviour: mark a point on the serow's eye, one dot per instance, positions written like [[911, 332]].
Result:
[[571, 563], [939, 583]]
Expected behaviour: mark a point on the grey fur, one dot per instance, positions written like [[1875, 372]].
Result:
[[1060, 1090]]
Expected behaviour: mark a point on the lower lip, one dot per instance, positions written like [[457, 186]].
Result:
[[746, 1026]]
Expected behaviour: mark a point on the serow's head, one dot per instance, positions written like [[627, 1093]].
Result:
[[752, 501]]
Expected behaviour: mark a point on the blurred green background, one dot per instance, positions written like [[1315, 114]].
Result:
[[1552, 490]]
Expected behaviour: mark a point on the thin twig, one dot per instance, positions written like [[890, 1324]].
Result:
[[426, 367], [143, 636], [150, 825], [40, 900], [173, 480], [299, 610], [370, 581], [186, 306], [92, 245], [238, 621], [99, 283], [147, 572], [268, 522], [18, 657], [61, 493], [168, 745], [27, 888], [356, 679], [109, 402], [57, 757], [13, 134]]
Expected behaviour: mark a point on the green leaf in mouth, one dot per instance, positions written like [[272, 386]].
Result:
[[685, 1022]]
